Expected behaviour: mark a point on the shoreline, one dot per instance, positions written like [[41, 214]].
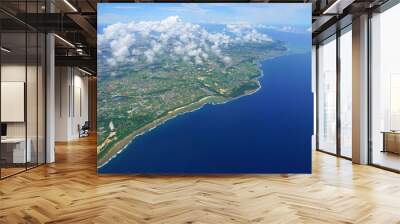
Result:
[[121, 145], [117, 148]]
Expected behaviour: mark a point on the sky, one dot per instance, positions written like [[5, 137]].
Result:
[[294, 14], [177, 29]]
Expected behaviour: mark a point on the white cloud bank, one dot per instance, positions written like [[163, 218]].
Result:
[[247, 33], [134, 41]]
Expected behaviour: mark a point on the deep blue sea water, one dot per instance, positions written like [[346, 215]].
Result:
[[266, 132]]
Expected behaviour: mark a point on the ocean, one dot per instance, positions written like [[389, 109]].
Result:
[[266, 132]]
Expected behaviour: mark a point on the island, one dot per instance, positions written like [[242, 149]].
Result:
[[136, 97]]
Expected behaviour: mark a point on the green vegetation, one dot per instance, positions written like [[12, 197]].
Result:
[[143, 96]]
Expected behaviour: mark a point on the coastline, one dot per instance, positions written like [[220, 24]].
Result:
[[122, 144]]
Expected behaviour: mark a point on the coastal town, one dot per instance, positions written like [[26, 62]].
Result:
[[139, 96]]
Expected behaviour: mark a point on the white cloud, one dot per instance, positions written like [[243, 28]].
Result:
[[287, 29], [112, 62], [149, 54], [247, 33], [179, 50], [120, 47], [227, 60], [142, 41], [198, 60]]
